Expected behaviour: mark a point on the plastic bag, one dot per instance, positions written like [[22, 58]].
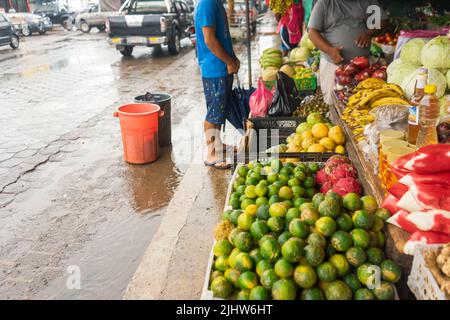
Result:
[[419, 238], [238, 105], [286, 98], [387, 117], [431, 159], [260, 100]]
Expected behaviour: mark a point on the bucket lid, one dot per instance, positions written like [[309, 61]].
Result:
[[138, 109], [155, 97]]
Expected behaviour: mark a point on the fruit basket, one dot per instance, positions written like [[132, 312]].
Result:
[[421, 280]]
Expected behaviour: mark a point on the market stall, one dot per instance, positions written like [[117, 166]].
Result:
[[329, 199]]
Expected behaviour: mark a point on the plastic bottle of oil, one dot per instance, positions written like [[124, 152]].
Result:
[[413, 118], [429, 110]]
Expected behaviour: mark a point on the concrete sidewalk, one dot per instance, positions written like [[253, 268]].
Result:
[[174, 264]]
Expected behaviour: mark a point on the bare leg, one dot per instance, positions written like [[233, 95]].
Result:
[[214, 144]]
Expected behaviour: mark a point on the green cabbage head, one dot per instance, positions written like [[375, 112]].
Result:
[[411, 52], [436, 53], [399, 70], [434, 77]]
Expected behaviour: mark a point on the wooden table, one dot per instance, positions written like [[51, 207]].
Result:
[[395, 237]]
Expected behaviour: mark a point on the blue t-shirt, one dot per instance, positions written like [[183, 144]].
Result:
[[210, 13]]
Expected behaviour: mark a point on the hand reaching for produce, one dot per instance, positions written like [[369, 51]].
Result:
[[335, 54], [363, 40]]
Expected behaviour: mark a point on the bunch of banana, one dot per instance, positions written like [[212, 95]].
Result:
[[365, 96], [271, 57], [388, 101], [369, 94], [370, 83], [279, 6]]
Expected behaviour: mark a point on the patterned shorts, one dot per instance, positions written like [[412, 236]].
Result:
[[217, 91]]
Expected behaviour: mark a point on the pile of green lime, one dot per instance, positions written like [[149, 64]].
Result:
[[291, 242]]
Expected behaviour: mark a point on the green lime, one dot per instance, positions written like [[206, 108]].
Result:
[[283, 268]]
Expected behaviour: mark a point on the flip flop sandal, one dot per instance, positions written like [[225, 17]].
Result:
[[215, 166]]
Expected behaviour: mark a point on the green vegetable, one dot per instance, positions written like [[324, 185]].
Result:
[[299, 54], [435, 54], [448, 79], [434, 77], [411, 52], [398, 70], [305, 42]]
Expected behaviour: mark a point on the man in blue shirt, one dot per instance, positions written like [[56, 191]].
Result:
[[218, 63]]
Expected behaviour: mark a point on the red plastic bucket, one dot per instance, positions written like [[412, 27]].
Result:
[[139, 125]]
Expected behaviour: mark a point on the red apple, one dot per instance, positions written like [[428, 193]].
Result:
[[351, 69], [340, 71], [363, 75], [344, 80], [379, 74], [361, 62]]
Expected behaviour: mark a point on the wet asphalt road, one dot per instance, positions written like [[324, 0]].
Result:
[[66, 196]]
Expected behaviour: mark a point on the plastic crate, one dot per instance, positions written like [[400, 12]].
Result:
[[303, 157], [421, 281], [306, 84]]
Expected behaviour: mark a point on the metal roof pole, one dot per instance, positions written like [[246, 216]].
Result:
[[249, 54]]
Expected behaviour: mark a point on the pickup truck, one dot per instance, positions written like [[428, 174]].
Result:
[[150, 23], [96, 16]]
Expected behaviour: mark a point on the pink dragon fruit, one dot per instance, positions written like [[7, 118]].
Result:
[[347, 185], [334, 162], [321, 177], [326, 187], [344, 170]]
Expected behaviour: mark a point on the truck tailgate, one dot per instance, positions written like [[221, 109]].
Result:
[[134, 25]]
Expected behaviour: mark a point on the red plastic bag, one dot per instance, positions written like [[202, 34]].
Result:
[[400, 219], [260, 100], [431, 159], [424, 238], [425, 197], [433, 220], [398, 190], [415, 179], [390, 203]]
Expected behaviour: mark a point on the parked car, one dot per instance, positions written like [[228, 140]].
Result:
[[8, 36], [150, 23], [95, 17], [56, 13], [28, 23]]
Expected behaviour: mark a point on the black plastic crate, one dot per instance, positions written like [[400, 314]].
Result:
[[270, 131], [304, 157]]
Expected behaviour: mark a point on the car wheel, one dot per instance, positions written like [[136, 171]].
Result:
[[14, 41], [101, 29], [127, 51], [85, 27], [26, 31], [175, 44], [42, 31]]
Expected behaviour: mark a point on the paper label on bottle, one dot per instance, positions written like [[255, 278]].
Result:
[[413, 116]]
